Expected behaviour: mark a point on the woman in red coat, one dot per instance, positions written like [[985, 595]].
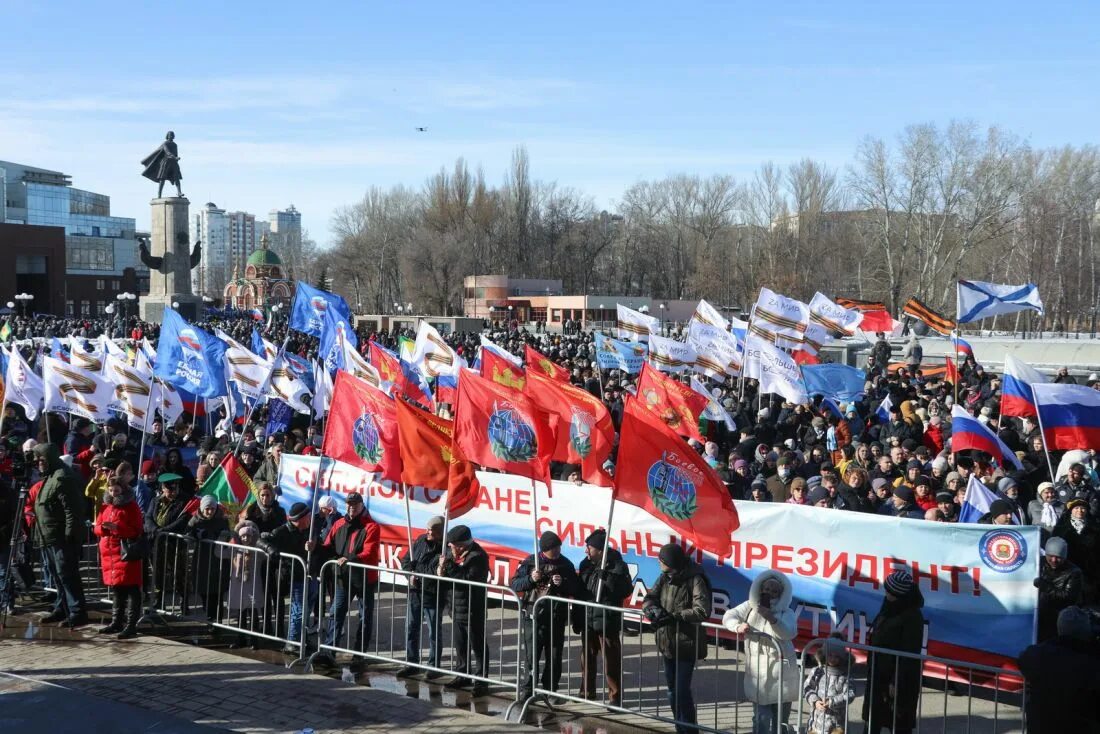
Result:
[[120, 519]]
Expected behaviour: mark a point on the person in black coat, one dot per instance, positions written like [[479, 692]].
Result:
[[1060, 585], [605, 582], [893, 683], [1077, 527], [210, 568], [288, 576], [423, 596], [1063, 678], [166, 518], [549, 575], [265, 511], [465, 560]]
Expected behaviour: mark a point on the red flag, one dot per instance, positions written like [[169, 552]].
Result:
[[951, 374], [585, 433], [499, 427], [362, 427], [663, 476], [538, 362], [391, 370], [874, 321], [675, 403], [801, 356], [428, 458], [496, 368]]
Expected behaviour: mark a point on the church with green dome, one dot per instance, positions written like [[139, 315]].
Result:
[[265, 282]]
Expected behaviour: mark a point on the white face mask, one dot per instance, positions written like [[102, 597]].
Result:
[[784, 472]]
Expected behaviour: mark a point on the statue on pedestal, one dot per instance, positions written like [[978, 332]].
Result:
[[175, 265], [163, 164]]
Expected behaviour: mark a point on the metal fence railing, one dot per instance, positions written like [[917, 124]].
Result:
[[905, 691], [392, 608], [715, 687]]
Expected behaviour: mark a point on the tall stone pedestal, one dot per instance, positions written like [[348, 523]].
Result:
[[170, 241]]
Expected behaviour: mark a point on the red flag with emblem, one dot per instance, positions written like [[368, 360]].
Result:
[[362, 427], [536, 361], [658, 472], [428, 458], [392, 371], [585, 433], [677, 404], [496, 368], [501, 428]]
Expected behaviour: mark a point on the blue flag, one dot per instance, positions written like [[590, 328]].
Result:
[[837, 381], [300, 369], [258, 343], [57, 351], [307, 313], [883, 411], [979, 498], [278, 416], [190, 359], [612, 354], [331, 351]]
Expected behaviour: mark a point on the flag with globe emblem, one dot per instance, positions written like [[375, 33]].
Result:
[[585, 434], [666, 478], [362, 428], [536, 361], [501, 428]]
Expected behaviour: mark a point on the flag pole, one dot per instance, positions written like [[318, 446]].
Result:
[[744, 362], [1043, 435], [535, 516], [958, 371], [144, 422], [408, 516], [248, 417], [606, 545]]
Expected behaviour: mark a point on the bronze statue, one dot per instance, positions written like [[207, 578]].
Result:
[[163, 164], [166, 263]]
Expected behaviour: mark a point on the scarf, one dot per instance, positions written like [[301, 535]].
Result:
[[1078, 524], [1049, 516]]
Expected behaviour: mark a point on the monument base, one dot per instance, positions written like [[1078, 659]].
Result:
[[152, 308]]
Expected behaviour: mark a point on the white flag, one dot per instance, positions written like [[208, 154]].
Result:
[[978, 300], [716, 352], [714, 410], [23, 386], [286, 386], [108, 347], [432, 356], [84, 358], [708, 314], [669, 355], [322, 393], [634, 325], [246, 369], [827, 320], [781, 319], [775, 369], [72, 389], [487, 343], [133, 385]]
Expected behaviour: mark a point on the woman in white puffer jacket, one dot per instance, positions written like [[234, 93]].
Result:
[[768, 611]]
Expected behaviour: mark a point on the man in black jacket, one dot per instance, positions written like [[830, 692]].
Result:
[[605, 582], [465, 560], [1063, 676], [1060, 585], [423, 596], [551, 574], [287, 575]]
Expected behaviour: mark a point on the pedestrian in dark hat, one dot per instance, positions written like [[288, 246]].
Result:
[[289, 539], [465, 561], [607, 581], [549, 575], [894, 682]]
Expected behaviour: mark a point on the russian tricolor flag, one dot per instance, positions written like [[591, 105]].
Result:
[[968, 433], [1017, 397], [963, 347], [1069, 416]]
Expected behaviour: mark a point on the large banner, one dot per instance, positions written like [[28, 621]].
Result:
[[976, 579]]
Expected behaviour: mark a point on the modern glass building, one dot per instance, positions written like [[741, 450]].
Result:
[[101, 254]]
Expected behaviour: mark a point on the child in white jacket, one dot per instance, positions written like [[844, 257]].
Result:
[[772, 681]]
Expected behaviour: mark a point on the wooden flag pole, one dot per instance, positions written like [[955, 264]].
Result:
[[408, 515], [606, 545]]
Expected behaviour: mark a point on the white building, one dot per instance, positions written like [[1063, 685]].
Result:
[[243, 238], [285, 227], [211, 225]]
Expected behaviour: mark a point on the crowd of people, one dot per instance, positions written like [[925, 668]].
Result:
[[87, 481]]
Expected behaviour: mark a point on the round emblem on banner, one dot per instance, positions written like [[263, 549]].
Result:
[[671, 490], [511, 438], [367, 441], [1004, 551]]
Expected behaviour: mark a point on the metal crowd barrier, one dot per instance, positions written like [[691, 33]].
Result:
[[377, 627], [232, 587], [960, 696], [90, 576], [716, 688]]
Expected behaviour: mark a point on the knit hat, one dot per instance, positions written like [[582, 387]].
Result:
[[597, 539], [436, 520], [549, 540], [819, 493], [1042, 486], [740, 463], [1000, 507], [899, 583], [904, 491], [326, 503], [298, 510], [1074, 622], [1056, 547], [1006, 483], [208, 501], [760, 482], [922, 481], [459, 534], [673, 556], [939, 463], [951, 476], [945, 497], [354, 498], [914, 464], [148, 467], [878, 483], [813, 482]]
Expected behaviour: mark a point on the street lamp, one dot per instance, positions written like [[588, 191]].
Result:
[[661, 306], [175, 304], [24, 301], [11, 305], [110, 309]]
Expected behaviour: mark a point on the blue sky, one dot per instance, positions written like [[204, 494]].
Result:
[[312, 103]]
